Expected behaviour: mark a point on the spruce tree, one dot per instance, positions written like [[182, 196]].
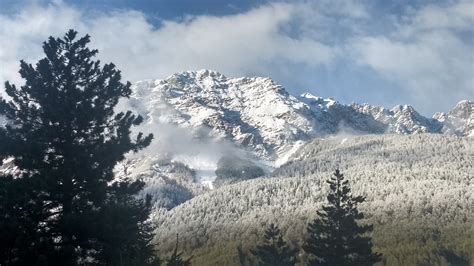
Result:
[[63, 205], [274, 251], [335, 237]]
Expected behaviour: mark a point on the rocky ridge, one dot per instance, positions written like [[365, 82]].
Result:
[[262, 117]]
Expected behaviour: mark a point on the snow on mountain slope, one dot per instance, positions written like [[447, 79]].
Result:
[[254, 113], [261, 116], [401, 119], [199, 112], [169, 183], [460, 120]]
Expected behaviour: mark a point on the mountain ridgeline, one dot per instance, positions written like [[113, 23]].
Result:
[[261, 116], [225, 130]]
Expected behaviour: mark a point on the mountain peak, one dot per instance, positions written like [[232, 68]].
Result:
[[459, 120], [262, 117], [317, 102], [463, 109], [198, 73]]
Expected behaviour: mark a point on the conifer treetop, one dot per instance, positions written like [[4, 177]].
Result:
[[336, 236]]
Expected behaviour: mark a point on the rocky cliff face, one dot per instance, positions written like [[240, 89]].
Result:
[[253, 113], [262, 117]]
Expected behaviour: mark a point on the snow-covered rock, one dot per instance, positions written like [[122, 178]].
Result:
[[254, 113], [262, 117], [458, 121], [401, 119]]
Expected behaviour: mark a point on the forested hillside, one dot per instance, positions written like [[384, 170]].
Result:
[[419, 189]]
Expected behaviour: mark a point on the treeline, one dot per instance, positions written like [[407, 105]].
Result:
[[419, 194]]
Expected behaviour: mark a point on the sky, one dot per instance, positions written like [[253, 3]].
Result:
[[377, 52]]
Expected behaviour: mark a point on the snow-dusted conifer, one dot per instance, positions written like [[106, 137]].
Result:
[[274, 251], [335, 237]]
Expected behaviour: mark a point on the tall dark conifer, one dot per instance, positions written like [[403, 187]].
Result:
[[335, 237], [65, 140], [274, 251]]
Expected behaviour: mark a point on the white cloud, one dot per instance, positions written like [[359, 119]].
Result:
[[427, 55], [22, 34], [236, 45], [458, 16]]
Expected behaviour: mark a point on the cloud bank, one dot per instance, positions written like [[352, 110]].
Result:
[[430, 55], [424, 55]]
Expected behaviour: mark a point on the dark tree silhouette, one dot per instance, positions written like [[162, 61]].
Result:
[[335, 237], [274, 250], [176, 259], [63, 206]]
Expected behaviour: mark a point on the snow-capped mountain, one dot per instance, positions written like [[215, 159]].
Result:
[[460, 120], [261, 116], [401, 119], [251, 112]]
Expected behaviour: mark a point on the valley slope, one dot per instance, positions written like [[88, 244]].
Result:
[[419, 190]]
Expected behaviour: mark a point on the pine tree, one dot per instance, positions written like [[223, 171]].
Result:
[[125, 228], [20, 209], [65, 139], [274, 251], [335, 237], [175, 259]]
